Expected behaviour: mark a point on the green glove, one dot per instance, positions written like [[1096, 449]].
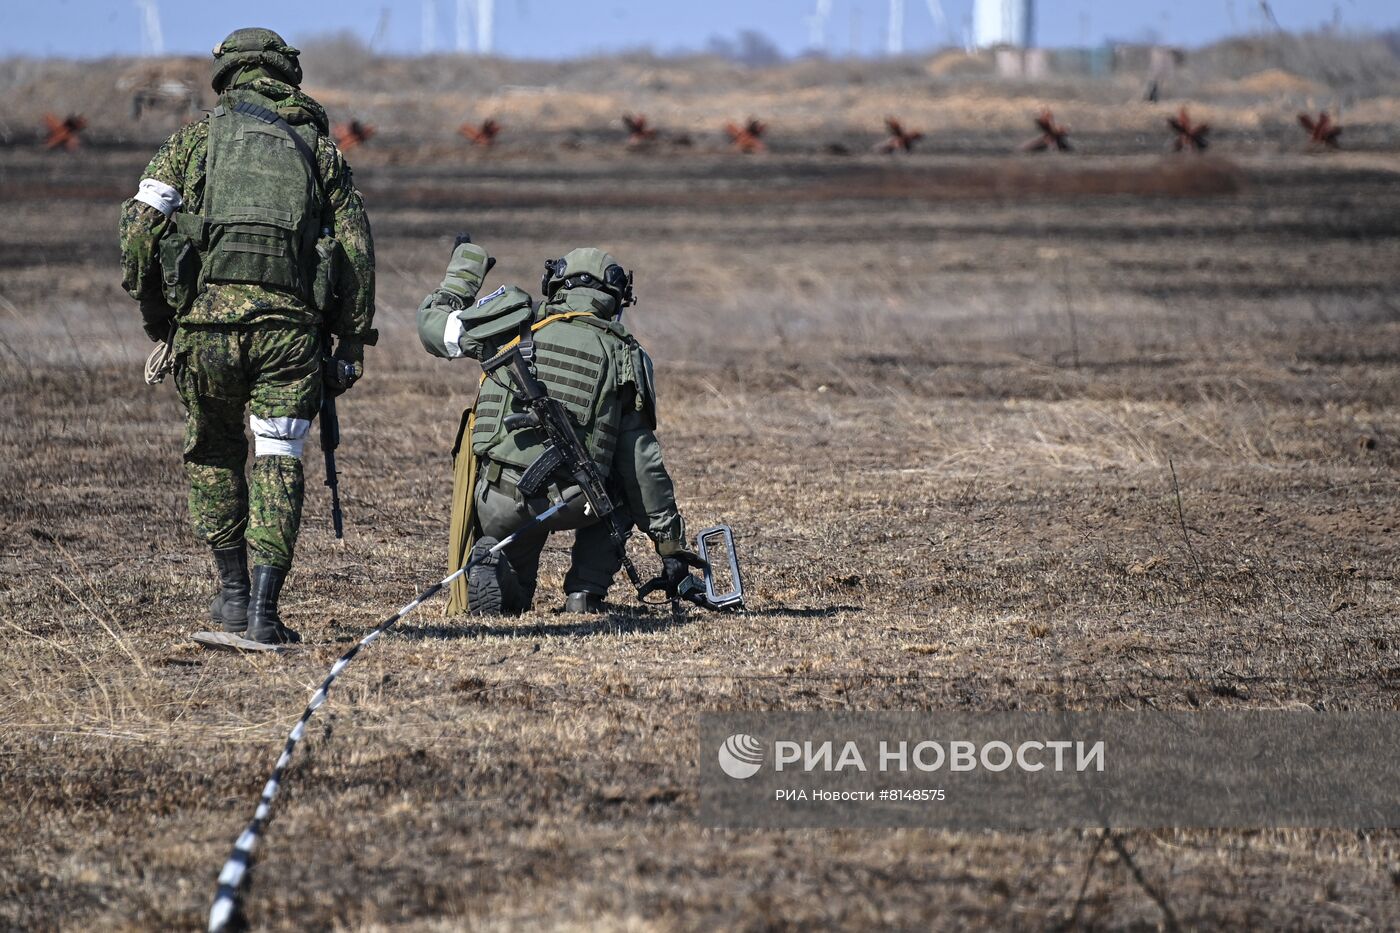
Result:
[[466, 270]]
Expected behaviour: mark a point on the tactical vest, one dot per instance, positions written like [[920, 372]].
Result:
[[583, 362], [262, 200]]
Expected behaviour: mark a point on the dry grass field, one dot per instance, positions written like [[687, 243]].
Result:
[[1110, 432]]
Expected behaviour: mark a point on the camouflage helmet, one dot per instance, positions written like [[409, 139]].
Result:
[[588, 267], [251, 48]]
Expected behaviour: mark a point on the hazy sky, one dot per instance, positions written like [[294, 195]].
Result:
[[551, 28]]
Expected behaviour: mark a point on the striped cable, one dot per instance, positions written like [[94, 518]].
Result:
[[231, 877]]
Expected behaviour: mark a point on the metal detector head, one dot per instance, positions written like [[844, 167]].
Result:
[[710, 543]]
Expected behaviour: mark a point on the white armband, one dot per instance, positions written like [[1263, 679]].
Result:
[[158, 195], [452, 336]]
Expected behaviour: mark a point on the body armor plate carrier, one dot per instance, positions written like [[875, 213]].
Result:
[[576, 362], [262, 202]]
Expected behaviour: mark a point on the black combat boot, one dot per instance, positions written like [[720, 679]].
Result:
[[492, 586], [230, 607], [264, 624], [584, 604]]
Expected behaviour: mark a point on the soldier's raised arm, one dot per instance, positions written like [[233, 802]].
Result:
[[440, 317]]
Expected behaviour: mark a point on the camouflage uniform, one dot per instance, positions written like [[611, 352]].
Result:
[[589, 361], [245, 344]]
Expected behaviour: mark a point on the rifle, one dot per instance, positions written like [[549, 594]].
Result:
[[330, 440]]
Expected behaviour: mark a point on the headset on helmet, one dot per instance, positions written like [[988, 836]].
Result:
[[616, 281]]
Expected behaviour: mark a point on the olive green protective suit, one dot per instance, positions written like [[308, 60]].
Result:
[[242, 194], [592, 364]]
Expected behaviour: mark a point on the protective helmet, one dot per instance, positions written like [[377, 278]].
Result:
[[255, 47], [588, 267]]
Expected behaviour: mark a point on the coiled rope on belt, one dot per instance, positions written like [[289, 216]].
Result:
[[161, 360]]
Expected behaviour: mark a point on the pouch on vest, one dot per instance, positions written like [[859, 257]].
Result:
[[179, 251], [643, 376], [488, 322]]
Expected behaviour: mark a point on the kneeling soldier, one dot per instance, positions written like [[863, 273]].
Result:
[[586, 359]]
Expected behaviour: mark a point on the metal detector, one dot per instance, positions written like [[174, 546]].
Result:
[[710, 543]]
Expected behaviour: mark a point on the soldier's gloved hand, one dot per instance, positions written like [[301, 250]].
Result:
[[156, 317], [676, 566], [466, 270], [345, 367]]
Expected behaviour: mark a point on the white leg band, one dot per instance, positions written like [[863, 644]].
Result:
[[158, 195], [278, 447], [279, 437]]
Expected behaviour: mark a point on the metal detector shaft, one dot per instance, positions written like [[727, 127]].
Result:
[[231, 877]]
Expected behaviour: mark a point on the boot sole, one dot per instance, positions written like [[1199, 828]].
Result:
[[485, 594]]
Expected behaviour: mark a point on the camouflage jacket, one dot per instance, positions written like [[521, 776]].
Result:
[[180, 164]]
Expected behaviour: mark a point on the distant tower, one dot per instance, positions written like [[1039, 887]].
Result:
[[816, 25], [940, 21], [894, 34], [152, 38], [429, 26], [485, 26], [464, 26], [1002, 22]]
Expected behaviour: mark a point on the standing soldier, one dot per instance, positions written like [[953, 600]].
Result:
[[587, 359], [247, 235]]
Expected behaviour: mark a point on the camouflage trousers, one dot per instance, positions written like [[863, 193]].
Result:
[[272, 373]]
